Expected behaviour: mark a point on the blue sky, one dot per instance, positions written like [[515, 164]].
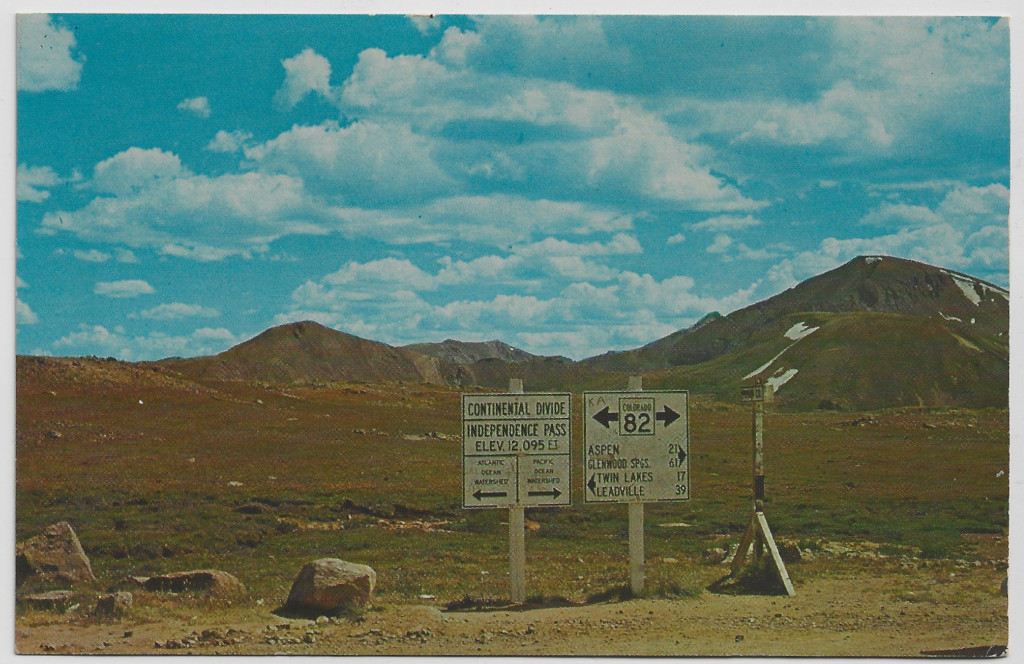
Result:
[[569, 184]]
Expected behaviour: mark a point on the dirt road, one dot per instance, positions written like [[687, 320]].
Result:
[[863, 614]]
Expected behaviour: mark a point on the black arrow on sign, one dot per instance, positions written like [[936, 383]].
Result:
[[668, 416], [592, 484], [489, 494], [604, 417], [554, 493], [682, 455]]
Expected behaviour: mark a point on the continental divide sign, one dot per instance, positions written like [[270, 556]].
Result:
[[515, 449]]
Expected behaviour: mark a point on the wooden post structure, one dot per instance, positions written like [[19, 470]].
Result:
[[517, 531], [636, 524], [758, 534]]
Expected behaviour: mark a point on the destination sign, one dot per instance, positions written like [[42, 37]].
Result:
[[515, 449], [761, 393], [636, 446]]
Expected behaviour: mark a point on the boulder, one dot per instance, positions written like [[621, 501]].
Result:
[[55, 555], [55, 600], [113, 605], [790, 553], [212, 581], [714, 556], [329, 585]]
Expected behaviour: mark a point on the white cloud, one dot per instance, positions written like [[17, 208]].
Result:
[[92, 256], [32, 182], [963, 206], [135, 168], [364, 163], [616, 147], [620, 244], [178, 310], [197, 105], [678, 238], [228, 141], [125, 255], [304, 73], [721, 243], [625, 309], [893, 82], [160, 204], [727, 223], [23, 313], [123, 289], [425, 23], [900, 214], [95, 339], [45, 56]]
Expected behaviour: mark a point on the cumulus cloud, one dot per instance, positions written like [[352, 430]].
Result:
[[893, 81], [178, 310], [98, 339], [228, 141], [601, 305], [200, 106], [158, 203], [33, 182], [727, 223], [721, 243], [46, 58], [364, 163], [92, 256], [308, 72], [134, 169], [23, 313], [123, 289]]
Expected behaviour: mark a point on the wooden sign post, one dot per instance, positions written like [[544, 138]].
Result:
[[517, 531], [636, 523], [758, 535], [636, 450], [515, 454]]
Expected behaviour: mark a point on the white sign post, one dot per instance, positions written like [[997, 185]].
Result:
[[636, 448], [515, 454]]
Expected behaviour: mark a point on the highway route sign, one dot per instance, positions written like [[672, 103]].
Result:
[[636, 446], [515, 449]]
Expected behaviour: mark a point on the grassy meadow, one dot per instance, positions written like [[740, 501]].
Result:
[[162, 475]]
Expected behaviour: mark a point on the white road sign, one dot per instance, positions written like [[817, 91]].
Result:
[[515, 449], [636, 446]]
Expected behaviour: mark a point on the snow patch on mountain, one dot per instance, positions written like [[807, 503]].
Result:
[[779, 380], [768, 363], [945, 317], [967, 287], [799, 331]]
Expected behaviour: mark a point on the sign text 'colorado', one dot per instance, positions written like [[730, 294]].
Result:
[[636, 446], [515, 449]]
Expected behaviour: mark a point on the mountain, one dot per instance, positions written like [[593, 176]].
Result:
[[875, 332], [308, 352], [468, 352], [876, 284]]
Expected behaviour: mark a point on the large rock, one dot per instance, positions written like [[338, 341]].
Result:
[[213, 581], [113, 605], [55, 600], [55, 555], [329, 585]]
